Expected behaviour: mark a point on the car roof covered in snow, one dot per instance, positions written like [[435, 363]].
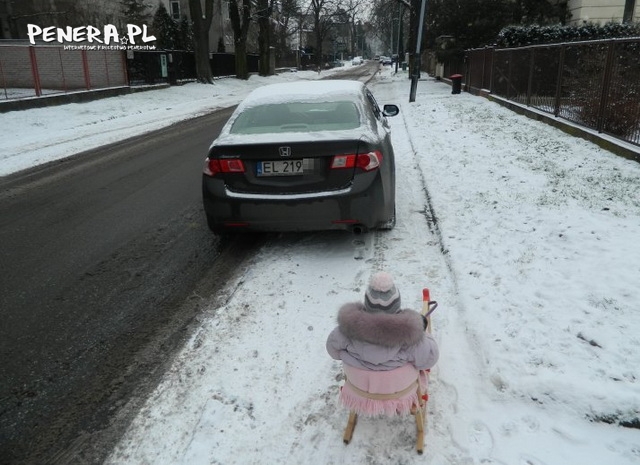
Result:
[[300, 91], [329, 90]]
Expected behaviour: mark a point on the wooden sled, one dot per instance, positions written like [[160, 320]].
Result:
[[363, 387]]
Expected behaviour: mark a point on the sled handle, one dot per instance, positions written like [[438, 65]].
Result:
[[428, 305]]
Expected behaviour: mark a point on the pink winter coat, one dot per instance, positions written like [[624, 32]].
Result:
[[381, 341]]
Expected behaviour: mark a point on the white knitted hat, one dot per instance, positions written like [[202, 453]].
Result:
[[382, 295]]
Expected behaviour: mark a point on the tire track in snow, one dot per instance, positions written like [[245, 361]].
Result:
[[429, 211], [458, 378]]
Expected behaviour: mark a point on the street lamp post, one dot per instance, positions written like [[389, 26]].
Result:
[[416, 62], [398, 41]]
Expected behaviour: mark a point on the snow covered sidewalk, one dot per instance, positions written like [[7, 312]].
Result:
[[533, 255]]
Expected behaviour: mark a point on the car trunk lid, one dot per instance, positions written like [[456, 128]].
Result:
[[288, 168]]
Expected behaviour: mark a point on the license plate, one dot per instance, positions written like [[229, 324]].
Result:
[[283, 167]]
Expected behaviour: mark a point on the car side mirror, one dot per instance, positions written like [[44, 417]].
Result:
[[390, 110]]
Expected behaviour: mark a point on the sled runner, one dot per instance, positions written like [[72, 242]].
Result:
[[394, 392]]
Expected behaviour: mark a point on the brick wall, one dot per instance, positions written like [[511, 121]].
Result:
[[15, 67], [106, 69], [59, 69]]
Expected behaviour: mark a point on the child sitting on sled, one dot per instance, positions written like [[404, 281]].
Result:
[[379, 335]]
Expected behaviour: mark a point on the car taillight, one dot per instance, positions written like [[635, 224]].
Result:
[[369, 161], [343, 161], [213, 166], [364, 161]]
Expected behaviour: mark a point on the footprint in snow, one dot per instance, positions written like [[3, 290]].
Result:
[[529, 460], [480, 441]]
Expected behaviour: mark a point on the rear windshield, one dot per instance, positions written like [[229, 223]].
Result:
[[297, 117]]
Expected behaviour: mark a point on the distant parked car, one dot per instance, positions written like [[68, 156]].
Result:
[[302, 156], [357, 61], [386, 60]]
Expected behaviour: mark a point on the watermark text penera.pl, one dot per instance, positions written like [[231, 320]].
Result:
[[89, 34]]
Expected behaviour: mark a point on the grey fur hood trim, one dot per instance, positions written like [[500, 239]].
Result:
[[404, 328]]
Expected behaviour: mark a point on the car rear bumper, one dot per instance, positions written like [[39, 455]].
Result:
[[345, 209]]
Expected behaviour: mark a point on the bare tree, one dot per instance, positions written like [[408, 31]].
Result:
[[263, 14], [240, 15], [135, 11], [382, 15], [201, 25], [287, 24], [353, 11], [322, 12]]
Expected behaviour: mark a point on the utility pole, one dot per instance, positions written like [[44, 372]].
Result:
[[416, 62], [629, 7], [399, 29]]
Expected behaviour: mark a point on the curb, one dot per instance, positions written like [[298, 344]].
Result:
[[73, 97]]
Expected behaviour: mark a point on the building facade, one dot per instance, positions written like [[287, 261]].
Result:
[[602, 11]]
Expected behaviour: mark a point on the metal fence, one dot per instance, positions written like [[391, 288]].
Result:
[[156, 66], [594, 84], [153, 67]]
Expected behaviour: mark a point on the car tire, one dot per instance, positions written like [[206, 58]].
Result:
[[215, 228], [389, 224]]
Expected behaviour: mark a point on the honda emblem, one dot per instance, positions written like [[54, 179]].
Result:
[[285, 151]]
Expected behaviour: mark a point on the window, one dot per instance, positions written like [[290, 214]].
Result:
[[175, 10], [374, 104], [297, 117]]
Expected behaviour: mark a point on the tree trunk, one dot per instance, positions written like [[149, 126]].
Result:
[[264, 37], [414, 14], [318, 50], [240, 26], [242, 70], [203, 65], [201, 39]]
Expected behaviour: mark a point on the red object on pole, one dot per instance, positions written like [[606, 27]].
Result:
[[426, 296], [34, 71]]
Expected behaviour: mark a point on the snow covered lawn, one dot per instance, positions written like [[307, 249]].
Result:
[[527, 237]]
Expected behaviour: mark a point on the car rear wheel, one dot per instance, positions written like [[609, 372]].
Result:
[[389, 224], [215, 228]]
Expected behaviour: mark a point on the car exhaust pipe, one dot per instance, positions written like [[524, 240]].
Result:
[[358, 229]]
